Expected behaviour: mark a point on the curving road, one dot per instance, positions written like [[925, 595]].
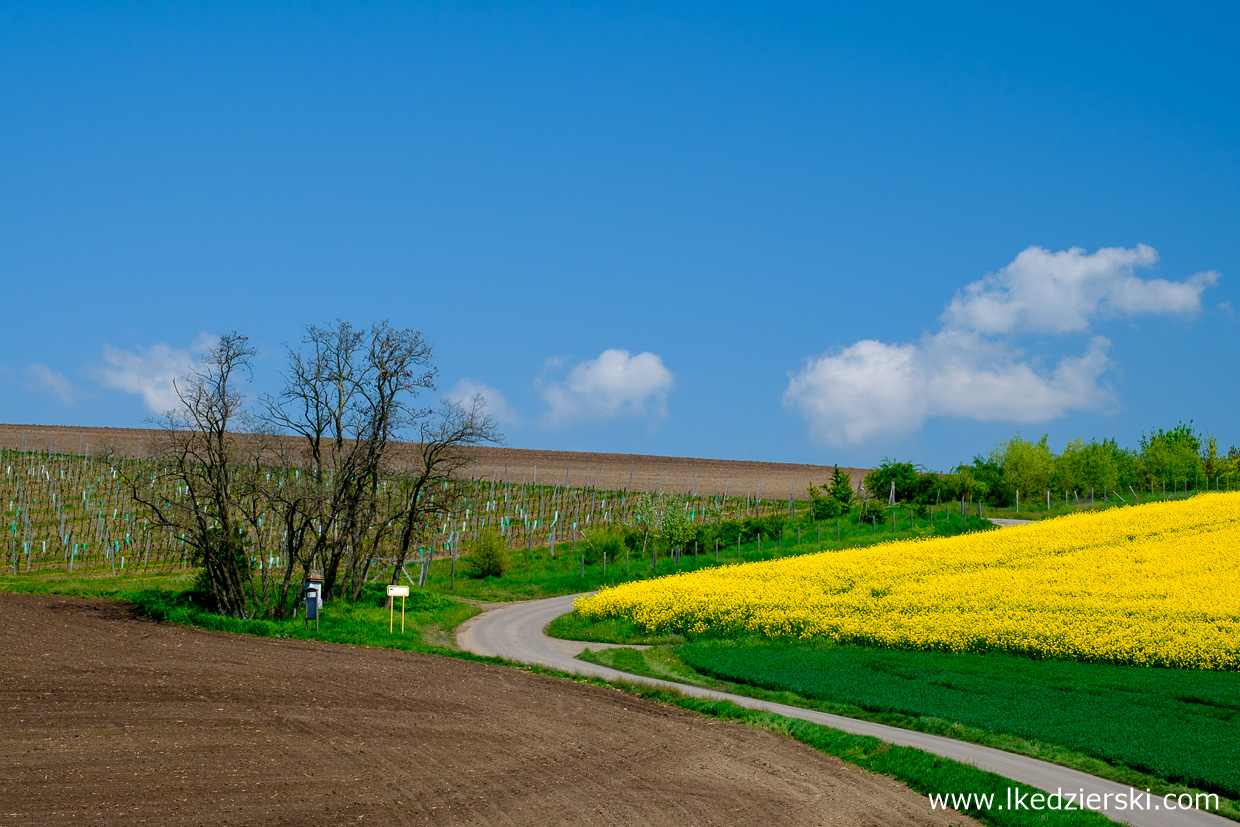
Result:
[[515, 631]]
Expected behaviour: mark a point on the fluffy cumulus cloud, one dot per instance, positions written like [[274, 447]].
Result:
[[972, 367], [1045, 292], [150, 372], [616, 384], [496, 404]]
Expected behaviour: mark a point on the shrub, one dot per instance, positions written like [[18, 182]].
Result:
[[611, 542], [828, 508], [834, 499], [772, 525], [488, 557]]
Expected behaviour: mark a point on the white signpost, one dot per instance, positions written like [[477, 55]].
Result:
[[402, 592]]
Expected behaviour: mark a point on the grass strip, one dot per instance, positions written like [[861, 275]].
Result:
[[430, 618], [1188, 717], [662, 662]]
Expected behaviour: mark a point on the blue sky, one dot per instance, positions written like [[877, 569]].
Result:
[[794, 232]]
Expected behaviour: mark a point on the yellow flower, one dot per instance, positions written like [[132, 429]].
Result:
[[1153, 585]]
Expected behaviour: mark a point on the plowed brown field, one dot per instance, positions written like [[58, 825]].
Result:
[[638, 472], [110, 718]]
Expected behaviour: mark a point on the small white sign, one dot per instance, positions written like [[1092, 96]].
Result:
[[398, 591]]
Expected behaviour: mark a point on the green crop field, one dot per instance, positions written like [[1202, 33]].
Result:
[[1169, 730], [1178, 724]]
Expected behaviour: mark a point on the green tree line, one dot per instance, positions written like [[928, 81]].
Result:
[[1166, 461]]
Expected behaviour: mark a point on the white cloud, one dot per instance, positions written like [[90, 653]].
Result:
[[615, 384], [874, 389], [1045, 292], [972, 367], [54, 383], [496, 404], [867, 388], [150, 372], [984, 381]]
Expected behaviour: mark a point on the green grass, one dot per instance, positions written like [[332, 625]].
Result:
[[430, 618], [1095, 718]]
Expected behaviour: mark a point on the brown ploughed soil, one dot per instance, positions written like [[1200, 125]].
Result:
[[636, 472], [110, 718]]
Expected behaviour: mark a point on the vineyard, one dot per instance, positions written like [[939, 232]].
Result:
[[1143, 585], [77, 513]]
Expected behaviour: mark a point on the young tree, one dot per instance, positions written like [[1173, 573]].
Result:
[[1211, 463], [833, 499], [644, 520], [842, 489], [660, 517], [674, 527], [199, 451]]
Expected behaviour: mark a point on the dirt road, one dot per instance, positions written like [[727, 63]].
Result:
[[109, 718]]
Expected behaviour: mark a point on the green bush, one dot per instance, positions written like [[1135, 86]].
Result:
[[828, 508], [772, 525], [611, 542], [488, 557]]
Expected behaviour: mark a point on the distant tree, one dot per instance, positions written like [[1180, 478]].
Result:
[[1211, 463], [1171, 456], [675, 529], [903, 474], [1027, 466], [1127, 465], [1102, 467], [964, 484], [662, 518], [990, 481]]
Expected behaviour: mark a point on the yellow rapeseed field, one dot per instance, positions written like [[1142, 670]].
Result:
[[1155, 585]]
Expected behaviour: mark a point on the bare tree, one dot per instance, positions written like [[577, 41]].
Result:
[[430, 487], [200, 452], [278, 502], [348, 394]]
